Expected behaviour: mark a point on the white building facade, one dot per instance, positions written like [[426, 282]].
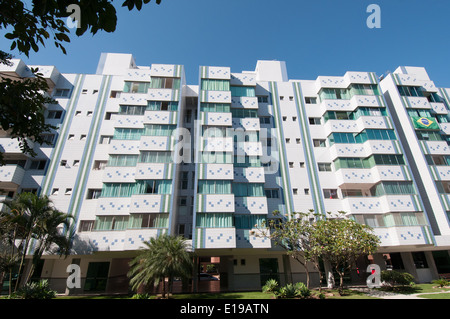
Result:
[[138, 152]]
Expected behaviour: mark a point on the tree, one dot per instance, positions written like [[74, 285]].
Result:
[[23, 99], [342, 241], [163, 257], [293, 235], [35, 218]]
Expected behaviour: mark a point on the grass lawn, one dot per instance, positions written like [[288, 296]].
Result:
[[436, 296]]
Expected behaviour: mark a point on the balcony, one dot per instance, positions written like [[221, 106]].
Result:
[[248, 238], [154, 171], [11, 176], [215, 171], [127, 121], [249, 175], [215, 203], [115, 174], [162, 94], [113, 205], [248, 124], [150, 203], [160, 117], [251, 205], [215, 118], [382, 204], [133, 98], [435, 147], [417, 102], [156, 143], [10, 145], [217, 144], [215, 96], [215, 237], [373, 122], [404, 235], [246, 102], [367, 100], [124, 147], [248, 148]]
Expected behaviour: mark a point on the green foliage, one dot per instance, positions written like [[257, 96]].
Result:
[[393, 278], [441, 282], [35, 290], [141, 296], [270, 286], [297, 290]]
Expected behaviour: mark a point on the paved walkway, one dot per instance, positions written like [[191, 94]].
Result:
[[391, 295]]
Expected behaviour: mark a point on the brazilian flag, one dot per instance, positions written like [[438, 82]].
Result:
[[425, 123]]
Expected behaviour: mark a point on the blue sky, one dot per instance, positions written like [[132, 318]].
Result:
[[314, 37]]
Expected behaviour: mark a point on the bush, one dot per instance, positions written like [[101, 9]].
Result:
[[141, 296], [34, 290], [442, 282], [270, 286], [392, 278], [298, 290]]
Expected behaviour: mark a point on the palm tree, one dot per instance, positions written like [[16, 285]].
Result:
[[163, 257], [34, 218]]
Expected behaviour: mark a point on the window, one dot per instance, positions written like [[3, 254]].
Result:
[[61, 93], [410, 90], [111, 223], [306, 190], [128, 133], [71, 137], [239, 91], [334, 94], [94, 193], [272, 193], [55, 191], [297, 140], [314, 120], [38, 165], [295, 191], [393, 188], [123, 160], [443, 187], [132, 109], [215, 85], [184, 180], [105, 139], [158, 129], [263, 99], [330, 193], [249, 221], [243, 113], [214, 187], [217, 158], [310, 100], [165, 83], [154, 220], [319, 143], [216, 107], [86, 225], [429, 136], [364, 89], [214, 220], [247, 161], [248, 189], [136, 87], [264, 120], [99, 165], [68, 191], [54, 114], [389, 159], [47, 139], [324, 167], [114, 94], [155, 157], [109, 115], [162, 106], [291, 164], [439, 160]]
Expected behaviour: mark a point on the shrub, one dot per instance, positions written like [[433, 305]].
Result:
[[270, 286], [141, 296], [35, 290], [392, 278], [442, 282], [303, 291]]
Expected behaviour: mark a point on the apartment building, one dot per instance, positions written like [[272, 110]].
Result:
[[139, 152]]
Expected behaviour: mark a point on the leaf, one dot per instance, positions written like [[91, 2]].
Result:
[[10, 36]]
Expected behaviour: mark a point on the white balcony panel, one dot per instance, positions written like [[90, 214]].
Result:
[[373, 122], [248, 124], [104, 240], [400, 203], [249, 238], [382, 147], [435, 147], [165, 70], [445, 127], [134, 238], [342, 126], [354, 176], [217, 144], [128, 121], [331, 82], [215, 72], [215, 96], [439, 108], [248, 79], [124, 147], [249, 175], [347, 150], [156, 143], [251, 205], [163, 94], [246, 102], [215, 171], [216, 118], [11, 174], [160, 117], [133, 99], [337, 105], [441, 172], [9, 145], [367, 100], [140, 75], [150, 203], [390, 173], [115, 174], [248, 148], [215, 203], [362, 205], [417, 102], [154, 171], [405, 235], [113, 206], [215, 238], [358, 77]]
